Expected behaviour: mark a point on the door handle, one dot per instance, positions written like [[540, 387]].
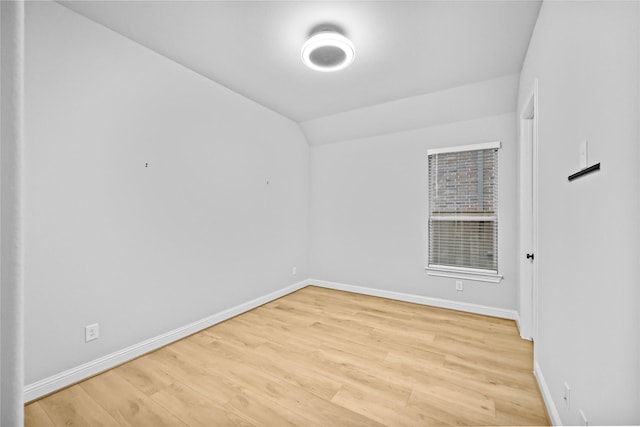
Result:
[[530, 256]]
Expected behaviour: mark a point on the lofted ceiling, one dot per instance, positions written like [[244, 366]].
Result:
[[403, 48]]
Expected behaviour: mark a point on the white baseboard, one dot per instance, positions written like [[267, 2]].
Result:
[[63, 379], [418, 299], [524, 337], [552, 410]]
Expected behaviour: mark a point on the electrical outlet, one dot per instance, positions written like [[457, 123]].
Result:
[[567, 396], [583, 418], [91, 332], [459, 287], [294, 271]]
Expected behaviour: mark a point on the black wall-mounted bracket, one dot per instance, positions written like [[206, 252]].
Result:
[[585, 171]]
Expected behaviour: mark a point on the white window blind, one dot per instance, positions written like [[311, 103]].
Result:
[[463, 208]]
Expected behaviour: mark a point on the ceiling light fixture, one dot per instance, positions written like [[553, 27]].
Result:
[[327, 51]]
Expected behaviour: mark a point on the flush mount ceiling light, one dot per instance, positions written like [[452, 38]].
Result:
[[327, 51]]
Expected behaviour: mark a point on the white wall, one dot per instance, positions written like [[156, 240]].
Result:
[[369, 210], [586, 57], [472, 101], [143, 250]]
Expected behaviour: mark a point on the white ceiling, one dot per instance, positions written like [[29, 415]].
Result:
[[403, 48]]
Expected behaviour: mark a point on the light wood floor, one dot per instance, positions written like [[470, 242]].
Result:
[[318, 357]]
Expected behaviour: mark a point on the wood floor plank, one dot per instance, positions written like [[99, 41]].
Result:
[[344, 367], [296, 374], [313, 408], [382, 411], [126, 404], [319, 357], [448, 411], [424, 373], [194, 409], [275, 387], [458, 398], [74, 407], [529, 413], [261, 411], [192, 373], [144, 376], [240, 402], [34, 415]]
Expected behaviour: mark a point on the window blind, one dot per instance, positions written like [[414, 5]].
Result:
[[463, 209]]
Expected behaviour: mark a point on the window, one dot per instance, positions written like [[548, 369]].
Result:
[[463, 212]]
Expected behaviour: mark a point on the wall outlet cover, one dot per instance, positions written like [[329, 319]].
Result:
[[567, 396], [91, 332]]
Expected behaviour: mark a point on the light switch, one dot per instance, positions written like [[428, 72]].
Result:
[[583, 154]]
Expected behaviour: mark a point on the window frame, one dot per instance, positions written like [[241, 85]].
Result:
[[467, 273]]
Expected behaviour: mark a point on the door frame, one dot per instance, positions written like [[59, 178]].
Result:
[[528, 295], [12, 21]]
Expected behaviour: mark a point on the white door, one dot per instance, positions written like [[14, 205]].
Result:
[[528, 217]]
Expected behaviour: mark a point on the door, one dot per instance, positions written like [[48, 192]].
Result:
[[528, 257]]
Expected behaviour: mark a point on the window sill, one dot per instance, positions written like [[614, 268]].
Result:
[[464, 274]]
